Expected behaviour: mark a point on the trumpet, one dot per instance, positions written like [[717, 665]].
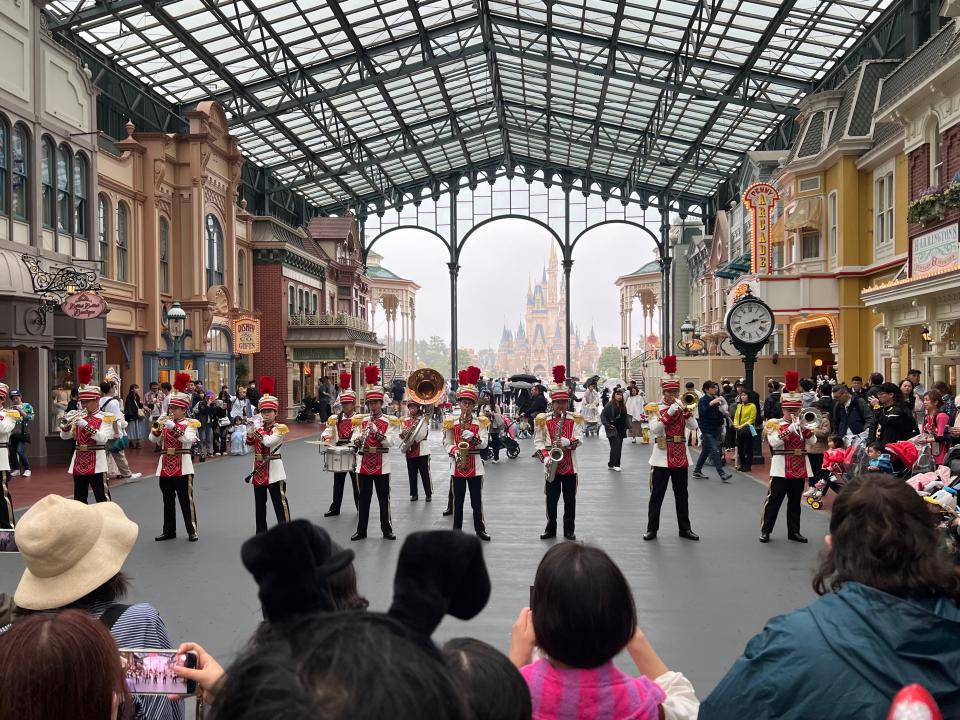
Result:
[[810, 418], [690, 400], [157, 426], [67, 421]]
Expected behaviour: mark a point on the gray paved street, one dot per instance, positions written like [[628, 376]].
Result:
[[698, 602]]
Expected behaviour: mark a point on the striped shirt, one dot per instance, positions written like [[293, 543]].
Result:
[[601, 693], [140, 626]]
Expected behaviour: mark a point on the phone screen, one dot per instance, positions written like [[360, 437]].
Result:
[[150, 672], [8, 542]]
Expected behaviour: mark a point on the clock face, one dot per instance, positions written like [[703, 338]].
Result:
[[750, 322]]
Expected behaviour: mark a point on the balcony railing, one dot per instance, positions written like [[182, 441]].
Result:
[[323, 320]]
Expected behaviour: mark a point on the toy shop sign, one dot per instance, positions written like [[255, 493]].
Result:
[[84, 306]]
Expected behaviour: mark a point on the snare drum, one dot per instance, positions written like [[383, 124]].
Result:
[[340, 459]]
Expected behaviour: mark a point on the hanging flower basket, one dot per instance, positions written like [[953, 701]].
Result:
[[951, 193], [927, 207]]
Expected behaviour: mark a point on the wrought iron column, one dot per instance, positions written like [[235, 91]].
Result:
[[665, 262], [454, 266], [567, 267]]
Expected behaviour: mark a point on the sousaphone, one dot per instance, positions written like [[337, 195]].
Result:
[[424, 387]]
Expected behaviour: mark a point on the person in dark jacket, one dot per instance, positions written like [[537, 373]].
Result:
[[888, 616], [711, 422], [771, 406], [895, 421], [876, 380], [852, 414], [614, 421], [537, 404]]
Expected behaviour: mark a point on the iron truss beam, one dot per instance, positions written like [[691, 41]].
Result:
[[741, 77], [493, 68], [607, 71], [103, 10]]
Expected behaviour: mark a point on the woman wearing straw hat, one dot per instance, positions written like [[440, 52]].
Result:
[[74, 555]]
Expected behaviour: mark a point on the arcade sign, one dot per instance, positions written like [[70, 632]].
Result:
[[84, 306], [760, 199]]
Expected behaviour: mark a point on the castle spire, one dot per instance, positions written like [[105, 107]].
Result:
[[553, 254]]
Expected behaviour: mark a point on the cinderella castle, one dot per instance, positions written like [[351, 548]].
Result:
[[538, 343]]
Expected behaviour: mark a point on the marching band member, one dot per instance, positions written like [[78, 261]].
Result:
[[669, 457], [373, 438], [338, 432], [418, 456], [8, 421], [789, 466], [175, 436], [464, 439], [268, 473], [91, 430], [561, 431]]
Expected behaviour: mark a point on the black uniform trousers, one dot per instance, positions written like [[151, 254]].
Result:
[[382, 484], [178, 487], [96, 481], [339, 480], [792, 489], [420, 465], [6, 502], [660, 477], [278, 494], [460, 485], [565, 485]]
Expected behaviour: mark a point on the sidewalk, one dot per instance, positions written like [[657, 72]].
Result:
[[53, 479]]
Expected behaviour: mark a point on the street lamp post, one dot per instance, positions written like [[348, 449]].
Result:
[[176, 319], [624, 360], [686, 336]]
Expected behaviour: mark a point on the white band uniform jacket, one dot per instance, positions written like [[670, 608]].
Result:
[[545, 425], [778, 462], [658, 455], [179, 463], [267, 442], [376, 463], [339, 432], [8, 422], [452, 428], [420, 447], [89, 436]]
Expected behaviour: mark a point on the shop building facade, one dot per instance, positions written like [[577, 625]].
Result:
[[48, 163]]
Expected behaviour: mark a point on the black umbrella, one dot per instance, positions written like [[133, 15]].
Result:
[[592, 379], [522, 377]]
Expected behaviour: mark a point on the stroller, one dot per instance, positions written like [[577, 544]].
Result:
[[841, 465], [907, 458], [507, 441]]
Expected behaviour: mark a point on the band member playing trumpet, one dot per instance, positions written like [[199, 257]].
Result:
[[416, 427], [8, 421], [338, 432], [669, 458], [372, 438], [465, 438], [175, 435], [91, 430], [790, 468], [556, 438], [269, 476]]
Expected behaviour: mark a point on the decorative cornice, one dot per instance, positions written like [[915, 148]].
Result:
[[282, 256]]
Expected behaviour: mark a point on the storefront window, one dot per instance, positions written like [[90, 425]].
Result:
[[61, 383], [64, 171], [214, 252], [123, 240], [47, 163], [21, 173], [216, 375], [103, 234]]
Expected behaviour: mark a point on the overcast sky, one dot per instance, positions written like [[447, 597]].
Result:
[[495, 265]]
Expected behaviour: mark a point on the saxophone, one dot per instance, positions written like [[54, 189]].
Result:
[[463, 451], [552, 461]]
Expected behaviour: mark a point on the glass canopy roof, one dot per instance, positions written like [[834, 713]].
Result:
[[355, 102]]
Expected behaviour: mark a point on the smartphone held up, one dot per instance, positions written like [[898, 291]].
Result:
[[8, 541], [150, 672]]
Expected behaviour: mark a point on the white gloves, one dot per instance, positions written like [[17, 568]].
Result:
[[674, 409], [564, 442], [169, 424], [81, 423], [466, 435]]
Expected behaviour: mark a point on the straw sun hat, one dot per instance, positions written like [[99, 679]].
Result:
[[70, 549]]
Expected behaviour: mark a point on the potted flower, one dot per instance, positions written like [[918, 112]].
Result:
[[927, 206], [951, 193]]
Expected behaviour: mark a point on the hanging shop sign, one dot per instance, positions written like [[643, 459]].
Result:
[[246, 336], [745, 285], [934, 251], [760, 199], [84, 306]]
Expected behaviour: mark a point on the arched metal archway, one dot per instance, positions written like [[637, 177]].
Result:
[[567, 216]]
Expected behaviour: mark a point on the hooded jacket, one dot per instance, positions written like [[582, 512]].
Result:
[[844, 656]]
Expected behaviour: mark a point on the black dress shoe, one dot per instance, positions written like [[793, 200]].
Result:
[[764, 537], [448, 512], [358, 536], [429, 498], [389, 536], [331, 513], [547, 535], [689, 535], [193, 537], [649, 536], [165, 536], [570, 536], [483, 536], [797, 537], [413, 498]]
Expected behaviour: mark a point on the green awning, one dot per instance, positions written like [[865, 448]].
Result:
[[734, 269]]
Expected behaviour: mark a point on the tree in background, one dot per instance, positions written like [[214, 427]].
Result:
[[609, 364], [435, 353]]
